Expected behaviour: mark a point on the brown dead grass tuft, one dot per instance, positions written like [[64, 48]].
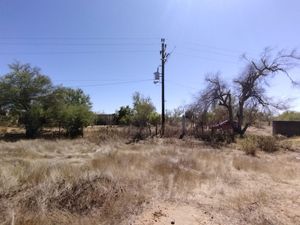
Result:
[[250, 207], [253, 143], [80, 196], [80, 182], [276, 170], [249, 146]]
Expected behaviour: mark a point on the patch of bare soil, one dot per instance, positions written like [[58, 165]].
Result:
[[265, 130], [176, 213]]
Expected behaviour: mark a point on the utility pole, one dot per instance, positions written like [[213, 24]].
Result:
[[163, 61], [157, 76]]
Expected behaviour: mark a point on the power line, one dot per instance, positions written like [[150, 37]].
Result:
[[212, 52], [79, 38], [221, 49], [78, 44], [114, 83], [182, 85], [95, 80], [76, 52], [123, 82], [104, 45], [205, 58]]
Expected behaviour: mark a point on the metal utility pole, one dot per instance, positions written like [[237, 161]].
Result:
[[163, 61]]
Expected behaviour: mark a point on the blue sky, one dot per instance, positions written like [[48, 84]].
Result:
[[110, 49]]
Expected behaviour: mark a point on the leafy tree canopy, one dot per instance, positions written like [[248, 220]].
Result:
[[23, 90], [29, 96], [124, 115], [142, 109]]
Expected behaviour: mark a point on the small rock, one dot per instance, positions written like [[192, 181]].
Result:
[[172, 222]]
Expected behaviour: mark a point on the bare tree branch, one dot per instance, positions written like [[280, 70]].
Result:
[[250, 90]]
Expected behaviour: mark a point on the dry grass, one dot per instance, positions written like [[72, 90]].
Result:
[[108, 182], [251, 144]]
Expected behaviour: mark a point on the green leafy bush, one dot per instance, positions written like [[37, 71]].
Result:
[[75, 118], [70, 109]]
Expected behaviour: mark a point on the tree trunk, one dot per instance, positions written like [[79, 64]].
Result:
[[230, 112], [241, 130], [149, 128]]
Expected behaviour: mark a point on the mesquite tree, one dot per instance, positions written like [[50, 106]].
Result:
[[248, 90], [23, 92]]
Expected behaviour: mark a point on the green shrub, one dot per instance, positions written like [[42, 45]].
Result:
[[75, 118]]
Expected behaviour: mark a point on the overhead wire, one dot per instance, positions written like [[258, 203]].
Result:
[[84, 80], [114, 83], [78, 38], [76, 52], [181, 85], [205, 58], [216, 48], [78, 44], [113, 42], [211, 52], [104, 42]]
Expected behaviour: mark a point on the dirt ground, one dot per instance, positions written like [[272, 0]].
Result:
[[152, 182], [255, 195]]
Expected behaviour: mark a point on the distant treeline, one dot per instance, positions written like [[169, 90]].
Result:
[[289, 116]]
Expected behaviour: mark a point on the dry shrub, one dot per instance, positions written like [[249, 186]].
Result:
[[249, 146], [249, 164], [248, 200], [31, 173], [34, 173], [83, 195], [108, 134], [89, 196], [172, 131], [175, 177], [280, 137], [286, 145], [216, 139], [3, 130], [102, 134], [120, 163], [275, 170], [267, 143], [250, 207]]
